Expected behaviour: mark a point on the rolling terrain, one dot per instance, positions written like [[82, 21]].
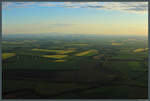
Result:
[[75, 67]]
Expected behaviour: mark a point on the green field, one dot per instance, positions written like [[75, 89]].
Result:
[[70, 67]]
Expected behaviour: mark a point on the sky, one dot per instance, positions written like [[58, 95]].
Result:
[[111, 18]]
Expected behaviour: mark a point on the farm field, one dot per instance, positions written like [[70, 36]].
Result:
[[75, 67], [7, 55]]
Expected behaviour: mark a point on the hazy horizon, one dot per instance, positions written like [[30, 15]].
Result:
[[116, 18]]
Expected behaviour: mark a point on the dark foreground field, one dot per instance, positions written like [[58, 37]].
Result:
[[79, 67]]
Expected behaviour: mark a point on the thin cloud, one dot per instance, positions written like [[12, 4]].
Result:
[[134, 7], [61, 25], [9, 5]]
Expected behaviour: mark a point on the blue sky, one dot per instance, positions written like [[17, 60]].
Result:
[[75, 18]]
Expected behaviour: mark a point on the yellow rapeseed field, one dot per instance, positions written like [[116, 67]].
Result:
[[59, 61], [77, 44], [86, 52], [56, 51], [55, 56], [140, 50], [115, 43], [7, 55]]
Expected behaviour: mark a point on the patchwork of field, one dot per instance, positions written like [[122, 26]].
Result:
[[75, 67]]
